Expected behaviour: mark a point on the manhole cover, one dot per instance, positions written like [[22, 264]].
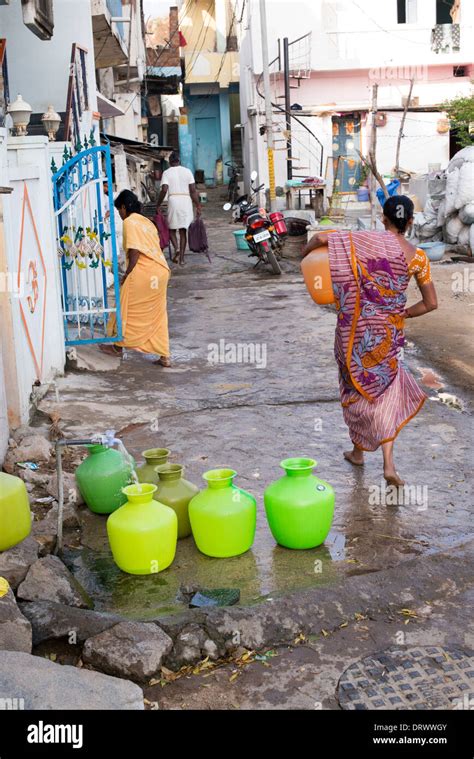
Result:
[[429, 677]]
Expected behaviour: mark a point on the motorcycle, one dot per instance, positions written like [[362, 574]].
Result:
[[265, 232], [233, 172]]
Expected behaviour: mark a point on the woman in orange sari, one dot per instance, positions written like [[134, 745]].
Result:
[[370, 272], [144, 287]]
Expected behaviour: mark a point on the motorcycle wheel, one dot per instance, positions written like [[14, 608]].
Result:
[[272, 260]]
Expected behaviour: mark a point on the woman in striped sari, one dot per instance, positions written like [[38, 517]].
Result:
[[370, 272]]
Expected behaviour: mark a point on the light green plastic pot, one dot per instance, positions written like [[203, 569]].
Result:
[[176, 492], [299, 506], [153, 457], [223, 517]]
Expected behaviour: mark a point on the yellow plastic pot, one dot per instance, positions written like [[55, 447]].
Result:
[[15, 515]]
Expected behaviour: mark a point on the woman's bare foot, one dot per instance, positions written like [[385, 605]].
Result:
[[164, 361], [356, 456], [389, 472], [110, 349], [393, 478]]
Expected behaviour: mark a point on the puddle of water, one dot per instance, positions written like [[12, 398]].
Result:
[[430, 379], [336, 545]]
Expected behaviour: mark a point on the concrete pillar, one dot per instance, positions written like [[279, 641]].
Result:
[[221, 25], [224, 112]]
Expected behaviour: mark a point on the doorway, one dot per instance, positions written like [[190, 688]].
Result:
[[346, 141], [207, 146]]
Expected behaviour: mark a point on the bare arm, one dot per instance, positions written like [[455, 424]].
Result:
[[317, 241], [133, 256], [161, 196], [195, 198], [428, 303]]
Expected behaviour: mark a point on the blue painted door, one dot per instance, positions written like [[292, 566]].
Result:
[[346, 160], [207, 146]]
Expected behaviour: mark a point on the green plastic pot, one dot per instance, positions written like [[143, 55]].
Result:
[[223, 517], [153, 458], [101, 477], [299, 506], [142, 533], [176, 492]]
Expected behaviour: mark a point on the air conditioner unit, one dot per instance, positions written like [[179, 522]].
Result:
[[251, 110], [38, 16]]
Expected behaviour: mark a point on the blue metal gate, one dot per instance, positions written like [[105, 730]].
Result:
[[87, 247]]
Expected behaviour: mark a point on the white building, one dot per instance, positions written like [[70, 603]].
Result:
[[351, 45], [51, 51]]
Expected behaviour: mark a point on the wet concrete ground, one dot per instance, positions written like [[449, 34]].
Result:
[[305, 674], [249, 418]]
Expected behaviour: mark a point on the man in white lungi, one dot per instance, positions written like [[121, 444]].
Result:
[[179, 183]]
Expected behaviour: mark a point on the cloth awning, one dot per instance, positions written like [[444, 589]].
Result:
[[165, 71], [140, 149], [107, 108]]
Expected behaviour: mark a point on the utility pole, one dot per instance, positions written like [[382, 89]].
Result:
[[402, 124], [286, 70], [268, 105], [372, 153]]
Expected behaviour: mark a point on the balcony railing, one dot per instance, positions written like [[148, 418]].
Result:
[[110, 37], [446, 38]]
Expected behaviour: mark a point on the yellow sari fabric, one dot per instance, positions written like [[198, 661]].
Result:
[[143, 294]]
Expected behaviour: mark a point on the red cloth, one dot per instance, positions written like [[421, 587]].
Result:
[[163, 230], [197, 237], [182, 40]]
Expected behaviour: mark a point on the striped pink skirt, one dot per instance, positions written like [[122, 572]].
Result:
[[371, 424], [370, 277]]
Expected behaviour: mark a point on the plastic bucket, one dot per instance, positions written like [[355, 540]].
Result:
[[434, 250], [240, 240]]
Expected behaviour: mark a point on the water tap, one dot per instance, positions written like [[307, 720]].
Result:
[[109, 438]]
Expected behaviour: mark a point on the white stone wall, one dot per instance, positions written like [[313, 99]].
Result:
[[33, 342]]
